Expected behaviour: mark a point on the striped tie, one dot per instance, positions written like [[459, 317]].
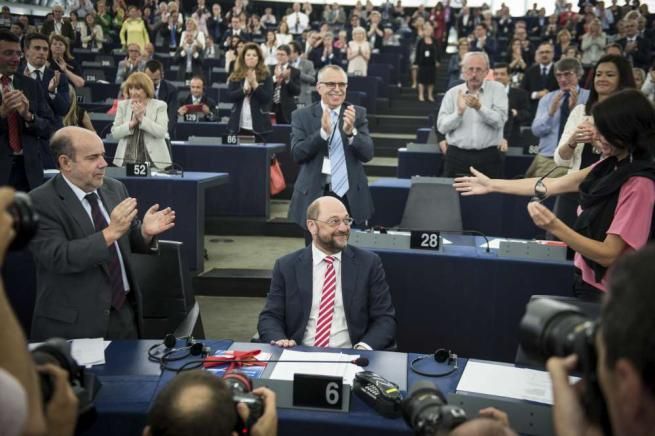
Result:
[[13, 123], [326, 308], [114, 265], [338, 160]]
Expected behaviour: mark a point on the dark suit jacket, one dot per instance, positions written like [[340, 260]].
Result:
[[66, 29], [288, 93], [518, 100], [73, 296], [370, 315], [316, 56], [260, 105], [34, 136], [60, 103], [168, 93], [243, 36], [641, 57], [204, 100], [308, 149], [165, 33], [532, 82], [196, 65]]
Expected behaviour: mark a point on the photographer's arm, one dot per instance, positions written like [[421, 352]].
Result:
[[15, 359]]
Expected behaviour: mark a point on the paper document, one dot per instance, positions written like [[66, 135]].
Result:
[[285, 371], [495, 243], [87, 352], [507, 381]]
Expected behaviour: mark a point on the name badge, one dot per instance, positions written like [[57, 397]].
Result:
[[427, 53], [327, 166]]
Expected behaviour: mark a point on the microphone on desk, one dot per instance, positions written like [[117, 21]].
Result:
[[220, 360], [173, 169], [384, 230]]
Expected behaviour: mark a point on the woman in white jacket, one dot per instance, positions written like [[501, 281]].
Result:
[[141, 125]]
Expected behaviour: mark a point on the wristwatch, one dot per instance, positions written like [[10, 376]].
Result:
[[353, 133]]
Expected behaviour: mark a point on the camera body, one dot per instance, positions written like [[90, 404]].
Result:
[[426, 411], [26, 220], [85, 385], [241, 387], [552, 328]]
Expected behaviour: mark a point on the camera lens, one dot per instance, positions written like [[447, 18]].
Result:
[[26, 220], [425, 410]]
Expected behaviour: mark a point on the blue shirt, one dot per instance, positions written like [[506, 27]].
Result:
[[545, 127]]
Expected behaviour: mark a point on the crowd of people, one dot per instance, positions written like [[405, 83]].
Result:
[[583, 81]]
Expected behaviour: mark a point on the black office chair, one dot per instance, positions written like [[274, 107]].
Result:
[[169, 303], [432, 204]]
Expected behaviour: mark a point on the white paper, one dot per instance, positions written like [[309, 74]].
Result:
[[87, 352], [346, 370], [507, 381], [495, 243]]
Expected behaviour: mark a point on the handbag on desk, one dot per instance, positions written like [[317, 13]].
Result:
[[277, 177]]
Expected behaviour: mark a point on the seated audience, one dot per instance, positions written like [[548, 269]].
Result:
[[63, 61], [197, 103], [319, 281], [196, 401], [141, 125]]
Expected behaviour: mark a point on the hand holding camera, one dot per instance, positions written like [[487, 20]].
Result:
[[266, 425]]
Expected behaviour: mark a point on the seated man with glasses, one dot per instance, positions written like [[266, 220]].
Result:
[[329, 294], [330, 140]]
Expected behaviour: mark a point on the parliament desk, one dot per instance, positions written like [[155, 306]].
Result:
[[466, 299], [248, 193], [493, 214], [130, 383], [430, 164], [186, 195]]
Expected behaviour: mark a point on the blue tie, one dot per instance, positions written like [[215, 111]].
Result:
[[564, 112], [338, 160]]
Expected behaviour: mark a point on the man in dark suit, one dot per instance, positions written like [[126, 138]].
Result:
[[88, 228], [171, 32], [59, 25], [197, 98], [235, 30], [54, 84], [329, 294], [331, 162], [286, 86], [518, 107], [539, 78], [636, 48], [324, 53], [164, 91], [25, 120]]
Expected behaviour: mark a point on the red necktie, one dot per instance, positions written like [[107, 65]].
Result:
[[326, 308], [114, 265], [13, 123]]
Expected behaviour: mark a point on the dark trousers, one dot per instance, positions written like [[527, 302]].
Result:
[[584, 291], [488, 161], [17, 175], [122, 322], [279, 114]]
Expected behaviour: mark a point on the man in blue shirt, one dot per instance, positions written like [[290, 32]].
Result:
[[552, 113]]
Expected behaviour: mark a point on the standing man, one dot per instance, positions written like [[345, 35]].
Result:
[[330, 140], [539, 78], [297, 21], [58, 24], [286, 86], [235, 30], [472, 116], [88, 227], [553, 111], [518, 107], [25, 120], [635, 47], [197, 98], [307, 74], [164, 91], [483, 42], [329, 294]]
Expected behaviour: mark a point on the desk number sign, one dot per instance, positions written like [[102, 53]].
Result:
[[139, 169], [424, 240], [317, 391], [230, 139]]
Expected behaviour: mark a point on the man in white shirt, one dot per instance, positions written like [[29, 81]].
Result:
[[297, 21], [329, 294]]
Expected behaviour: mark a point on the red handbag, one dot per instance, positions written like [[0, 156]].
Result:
[[277, 177]]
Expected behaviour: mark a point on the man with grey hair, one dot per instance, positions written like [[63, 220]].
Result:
[[58, 24], [472, 116], [553, 111]]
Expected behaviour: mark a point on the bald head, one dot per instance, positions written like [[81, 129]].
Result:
[[80, 156], [314, 209], [62, 143], [329, 223]]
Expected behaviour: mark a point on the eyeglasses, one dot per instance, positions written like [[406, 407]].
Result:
[[332, 85], [336, 222], [564, 75]]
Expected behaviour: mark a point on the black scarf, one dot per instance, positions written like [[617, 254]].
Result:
[[599, 194]]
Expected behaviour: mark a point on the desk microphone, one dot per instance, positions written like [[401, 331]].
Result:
[[173, 169], [384, 230], [220, 360]]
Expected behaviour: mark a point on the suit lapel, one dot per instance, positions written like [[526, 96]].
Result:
[[304, 273], [348, 279], [73, 205]]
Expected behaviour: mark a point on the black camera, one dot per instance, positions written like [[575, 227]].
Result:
[[426, 411], [241, 387], [85, 385], [552, 328], [26, 220]]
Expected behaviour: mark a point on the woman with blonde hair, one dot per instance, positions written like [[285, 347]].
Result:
[[62, 60], [76, 115], [141, 125], [250, 88], [133, 29], [359, 53], [192, 28], [94, 37]]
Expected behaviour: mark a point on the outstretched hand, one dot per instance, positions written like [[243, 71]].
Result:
[[477, 184], [157, 221]]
